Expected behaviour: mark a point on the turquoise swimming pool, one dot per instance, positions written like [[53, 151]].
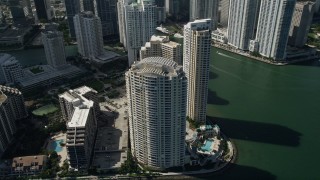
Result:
[[55, 145], [207, 146]]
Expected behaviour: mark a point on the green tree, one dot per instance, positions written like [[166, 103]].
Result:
[[129, 166]]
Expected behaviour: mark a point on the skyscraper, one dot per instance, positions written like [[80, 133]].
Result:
[[172, 7], [54, 48], [273, 28], [156, 91], [161, 46], [72, 8], [44, 10], [10, 69], [196, 57], [241, 23], [140, 24], [301, 22], [89, 34], [107, 12], [203, 9], [11, 108], [122, 21], [224, 15]]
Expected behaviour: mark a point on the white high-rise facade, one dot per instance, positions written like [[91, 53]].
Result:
[[273, 28], [54, 48], [89, 34], [140, 24], [241, 23], [196, 58], [204, 9], [156, 91], [122, 20], [10, 69], [161, 46]]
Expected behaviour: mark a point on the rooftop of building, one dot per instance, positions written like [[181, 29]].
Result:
[[87, 14], [140, 3], [9, 90], [305, 3], [81, 104], [84, 89], [172, 44], [49, 73], [76, 97], [52, 33], [38, 160], [7, 59], [66, 95], [15, 32], [80, 116], [199, 24], [160, 39], [157, 66]]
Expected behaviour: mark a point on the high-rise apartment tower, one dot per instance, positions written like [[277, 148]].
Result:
[[242, 22], [89, 34], [156, 91], [54, 47], [273, 28], [196, 58]]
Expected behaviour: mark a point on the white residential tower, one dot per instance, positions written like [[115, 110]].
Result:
[[89, 34], [196, 57], [273, 28], [140, 24], [242, 22], [156, 91]]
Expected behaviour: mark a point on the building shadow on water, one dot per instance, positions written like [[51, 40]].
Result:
[[213, 75], [213, 98], [258, 132], [315, 63], [235, 171]]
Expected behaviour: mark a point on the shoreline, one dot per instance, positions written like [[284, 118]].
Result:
[[280, 63], [198, 173]]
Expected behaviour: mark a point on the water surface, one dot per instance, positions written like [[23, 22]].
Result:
[[271, 112]]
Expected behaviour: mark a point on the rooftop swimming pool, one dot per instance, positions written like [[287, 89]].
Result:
[[55, 145], [207, 146]]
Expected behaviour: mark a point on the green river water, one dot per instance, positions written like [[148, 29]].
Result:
[[272, 113]]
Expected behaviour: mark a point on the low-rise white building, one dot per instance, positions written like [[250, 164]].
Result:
[[219, 36]]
